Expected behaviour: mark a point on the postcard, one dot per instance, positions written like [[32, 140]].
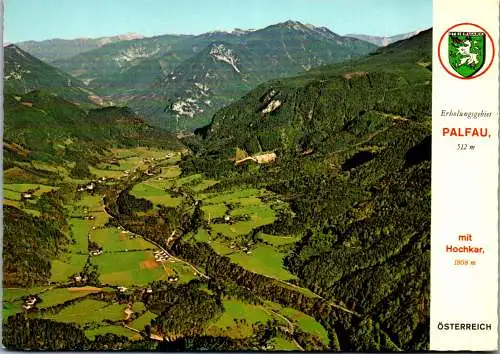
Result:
[[267, 176]]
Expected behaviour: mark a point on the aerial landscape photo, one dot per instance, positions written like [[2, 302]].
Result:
[[216, 175]]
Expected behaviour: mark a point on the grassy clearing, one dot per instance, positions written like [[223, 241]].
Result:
[[91, 202], [221, 248], [79, 230], [23, 187], [306, 323], [118, 330], [213, 211], [140, 152], [170, 172], [143, 320], [65, 266], [40, 165], [103, 172], [196, 178], [237, 319], [128, 268], [264, 260], [58, 296], [12, 191], [282, 344], [88, 311], [203, 184], [112, 240], [230, 196], [233, 231], [278, 240], [155, 195], [137, 268], [138, 306], [11, 308], [12, 299], [202, 235], [184, 272], [258, 215]]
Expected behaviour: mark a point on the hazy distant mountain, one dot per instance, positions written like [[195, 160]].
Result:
[[384, 41], [180, 81], [24, 73], [53, 49], [229, 67]]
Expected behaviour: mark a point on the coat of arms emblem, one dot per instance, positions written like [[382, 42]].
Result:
[[466, 52]]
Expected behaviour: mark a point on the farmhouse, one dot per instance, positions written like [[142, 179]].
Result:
[[29, 302], [26, 195], [96, 252]]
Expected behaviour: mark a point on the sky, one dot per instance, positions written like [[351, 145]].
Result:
[[46, 19]]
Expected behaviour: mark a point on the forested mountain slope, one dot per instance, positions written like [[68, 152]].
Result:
[[353, 159], [178, 81]]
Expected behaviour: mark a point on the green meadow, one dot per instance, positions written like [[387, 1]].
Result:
[[89, 311], [237, 319], [112, 240], [155, 195], [118, 330], [57, 296]]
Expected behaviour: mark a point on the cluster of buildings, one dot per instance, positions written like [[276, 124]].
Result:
[[161, 256], [96, 252], [245, 249], [88, 187], [29, 302], [79, 279], [91, 185]]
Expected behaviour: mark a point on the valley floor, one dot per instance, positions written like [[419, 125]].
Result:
[[123, 265]]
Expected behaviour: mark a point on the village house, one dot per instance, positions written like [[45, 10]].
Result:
[[29, 302], [160, 256], [96, 252], [173, 279], [26, 195]]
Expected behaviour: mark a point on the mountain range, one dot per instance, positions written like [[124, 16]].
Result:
[[24, 73], [51, 116], [313, 150], [179, 81], [57, 48], [383, 41]]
